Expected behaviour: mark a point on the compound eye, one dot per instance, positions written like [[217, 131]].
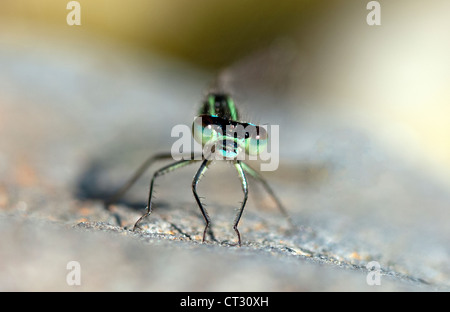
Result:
[[255, 140], [204, 128]]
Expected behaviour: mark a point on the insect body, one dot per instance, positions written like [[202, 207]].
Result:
[[223, 136]]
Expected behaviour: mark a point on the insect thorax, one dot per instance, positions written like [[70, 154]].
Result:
[[220, 105]]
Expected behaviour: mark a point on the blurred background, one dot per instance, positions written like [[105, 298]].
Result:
[[363, 110], [391, 79]]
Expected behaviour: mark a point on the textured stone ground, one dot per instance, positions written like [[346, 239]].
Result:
[[74, 125]]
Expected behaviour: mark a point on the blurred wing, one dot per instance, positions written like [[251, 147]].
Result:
[[267, 71]]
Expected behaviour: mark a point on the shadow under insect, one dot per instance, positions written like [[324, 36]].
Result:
[[94, 183]]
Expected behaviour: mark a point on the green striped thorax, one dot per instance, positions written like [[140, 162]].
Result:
[[218, 127]]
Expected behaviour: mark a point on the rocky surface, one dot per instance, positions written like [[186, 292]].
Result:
[[75, 125]]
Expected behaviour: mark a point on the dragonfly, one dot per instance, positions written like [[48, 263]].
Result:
[[215, 127]]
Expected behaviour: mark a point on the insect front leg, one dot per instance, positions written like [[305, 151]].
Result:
[[201, 171], [257, 176], [241, 173], [160, 172], [137, 174], [120, 192]]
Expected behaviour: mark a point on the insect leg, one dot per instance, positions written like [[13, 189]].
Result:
[[245, 190], [163, 170], [257, 176], [201, 171], [120, 192]]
